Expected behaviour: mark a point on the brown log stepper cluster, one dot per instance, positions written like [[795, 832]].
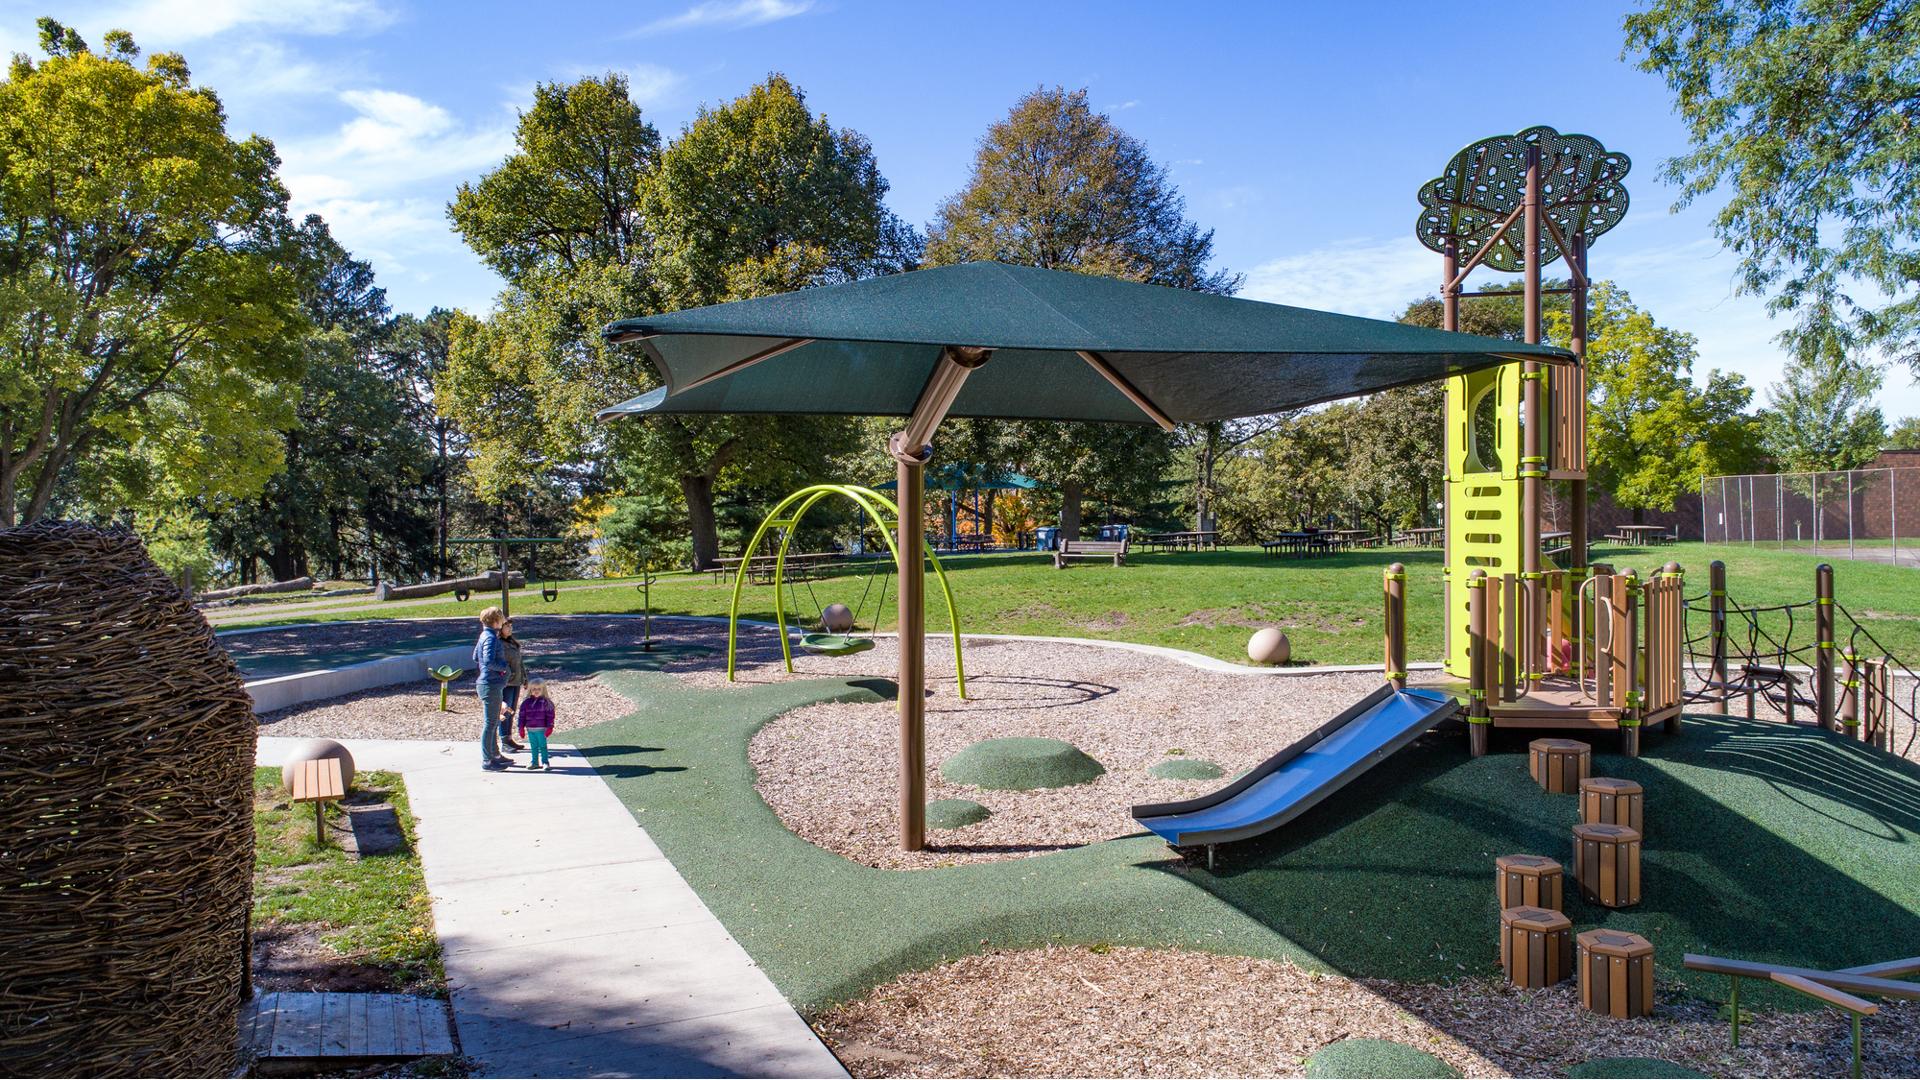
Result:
[[126, 778]]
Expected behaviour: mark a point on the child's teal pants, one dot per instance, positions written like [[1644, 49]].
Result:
[[537, 742]]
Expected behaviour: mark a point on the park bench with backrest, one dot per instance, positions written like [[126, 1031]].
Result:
[[1090, 549]]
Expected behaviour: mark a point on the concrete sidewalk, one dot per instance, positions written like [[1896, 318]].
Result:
[[573, 947]]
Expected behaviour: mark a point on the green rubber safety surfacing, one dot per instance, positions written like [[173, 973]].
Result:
[[1632, 1068], [955, 813], [1375, 1058], [1021, 764], [1185, 769]]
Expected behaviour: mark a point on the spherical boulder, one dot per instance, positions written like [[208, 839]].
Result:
[[1181, 768], [836, 619], [1269, 646], [318, 750], [1375, 1057], [955, 813], [1021, 765]]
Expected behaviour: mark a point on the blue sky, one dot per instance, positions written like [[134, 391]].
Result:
[[1298, 131]]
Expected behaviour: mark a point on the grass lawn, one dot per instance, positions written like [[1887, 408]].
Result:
[[1209, 602], [371, 910], [1765, 842]]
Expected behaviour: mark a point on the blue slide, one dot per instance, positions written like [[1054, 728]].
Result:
[[1294, 780]]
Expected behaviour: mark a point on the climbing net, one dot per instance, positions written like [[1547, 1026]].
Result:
[[1766, 660]]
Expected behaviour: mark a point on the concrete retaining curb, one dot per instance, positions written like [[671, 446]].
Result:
[[284, 691]]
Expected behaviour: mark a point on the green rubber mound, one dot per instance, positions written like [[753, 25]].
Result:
[[1185, 769], [1631, 1068], [955, 813], [1375, 1057], [1021, 765]]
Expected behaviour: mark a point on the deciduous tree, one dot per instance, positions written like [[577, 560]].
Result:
[[147, 314]]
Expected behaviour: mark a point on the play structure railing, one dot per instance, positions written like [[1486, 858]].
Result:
[[1846, 689], [1616, 638]]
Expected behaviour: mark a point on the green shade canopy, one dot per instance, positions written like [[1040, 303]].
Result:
[[869, 347], [958, 477]]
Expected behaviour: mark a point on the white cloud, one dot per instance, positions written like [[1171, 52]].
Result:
[[395, 139], [727, 13], [650, 84], [190, 20], [268, 69], [1374, 278]]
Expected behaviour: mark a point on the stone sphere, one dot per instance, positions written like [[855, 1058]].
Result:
[[1268, 646], [836, 619], [319, 750]]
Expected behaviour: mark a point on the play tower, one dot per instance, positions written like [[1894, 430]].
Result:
[[1541, 643]]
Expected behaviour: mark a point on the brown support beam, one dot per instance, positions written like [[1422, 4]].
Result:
[[1577, 489], [910, 450], [1449, 320], [745, 362], [1099, 363], [1533, 464], [1396, 626], [1823, 632]]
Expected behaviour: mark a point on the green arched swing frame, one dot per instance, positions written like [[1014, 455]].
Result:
[[866, 499]]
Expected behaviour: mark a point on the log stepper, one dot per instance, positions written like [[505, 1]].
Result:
[[1529, 881], [1559, 765]]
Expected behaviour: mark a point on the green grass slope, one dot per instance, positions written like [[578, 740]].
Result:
[[1210, 601], [1763, 842]]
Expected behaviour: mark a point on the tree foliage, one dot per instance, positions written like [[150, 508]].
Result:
[[1822, 415], [1652, 431], [146, 309], [1806, 113], [1060, 186]]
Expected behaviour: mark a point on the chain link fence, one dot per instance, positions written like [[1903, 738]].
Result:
[[1855, 514]]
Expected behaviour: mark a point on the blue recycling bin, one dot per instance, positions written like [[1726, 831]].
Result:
[[1046, 538]]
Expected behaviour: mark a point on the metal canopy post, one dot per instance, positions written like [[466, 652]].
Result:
[[910, 449]]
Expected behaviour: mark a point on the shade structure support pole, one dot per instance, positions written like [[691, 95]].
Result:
[[1533, 463], [911, 448]]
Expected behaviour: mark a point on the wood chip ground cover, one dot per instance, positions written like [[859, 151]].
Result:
[[1109, 1011]]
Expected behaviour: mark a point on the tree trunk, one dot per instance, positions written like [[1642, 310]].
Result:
[[986, 516], [1070, 509], [1639, 515], [697, 488], [1203, 493]]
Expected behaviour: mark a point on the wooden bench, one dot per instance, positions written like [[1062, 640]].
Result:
[[319, 782], [1090, 549]]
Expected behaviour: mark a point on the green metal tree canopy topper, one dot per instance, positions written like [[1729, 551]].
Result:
[[1476, 200], [1065, 346]]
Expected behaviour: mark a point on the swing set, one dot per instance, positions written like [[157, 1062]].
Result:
[[786, 517]]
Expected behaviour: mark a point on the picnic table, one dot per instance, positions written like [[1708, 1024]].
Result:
[[1554, 541], [1180, 541], [1424, 536], [760, 571], [1315, 542], [1644, 534]]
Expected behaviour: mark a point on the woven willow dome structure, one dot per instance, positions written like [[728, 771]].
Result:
[[126, 836]]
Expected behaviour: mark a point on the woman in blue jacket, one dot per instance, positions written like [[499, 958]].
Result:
[[490, 681]]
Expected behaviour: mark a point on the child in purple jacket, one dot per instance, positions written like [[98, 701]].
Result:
[[536, 723]]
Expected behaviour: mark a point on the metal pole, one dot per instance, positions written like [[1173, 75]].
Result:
[[1703, 508], [506, 603], [1752, 518], [1813, 479], [1893, 512], [1449, 320], [910, 476], [1724, 535], [1396, 626], [910, 450], [1849, 513], [1823, 644], [1780, 511], [1478, 719], [1532, 463], [1717, 619], [1577, 417]]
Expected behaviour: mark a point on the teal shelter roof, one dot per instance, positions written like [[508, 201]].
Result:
[[867, 348], [956, 476]]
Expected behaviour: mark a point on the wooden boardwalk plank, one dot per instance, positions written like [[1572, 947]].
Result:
[[314, 1025], [436, 1026]]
